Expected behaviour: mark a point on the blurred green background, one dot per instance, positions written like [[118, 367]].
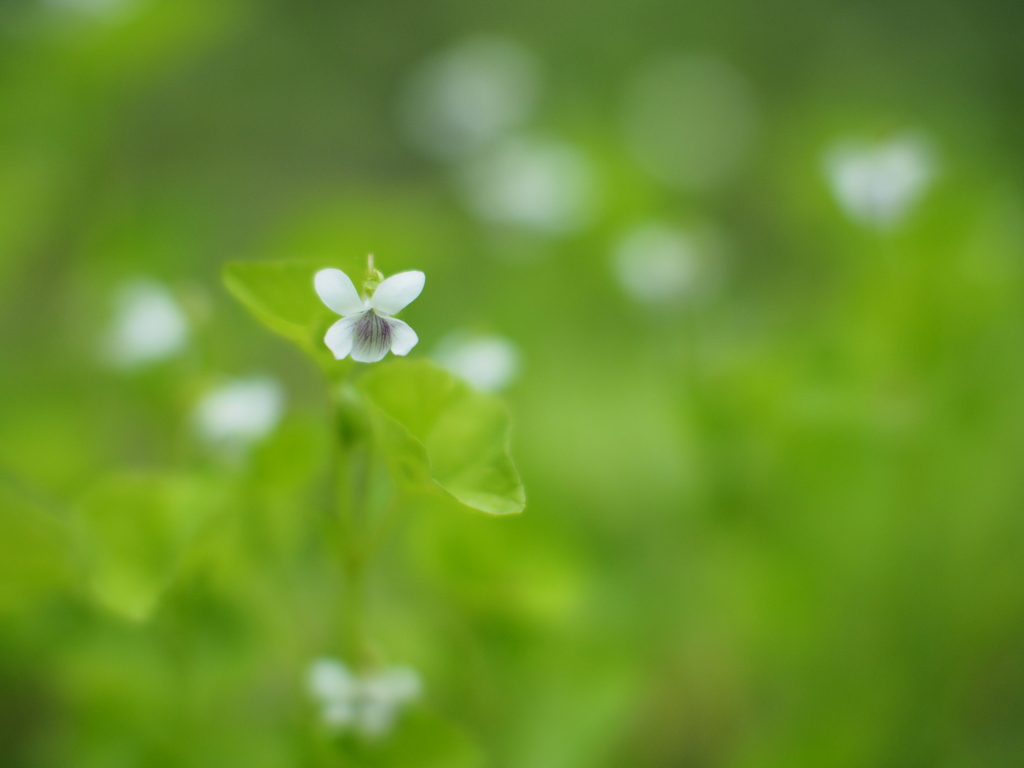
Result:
[[753, 274]]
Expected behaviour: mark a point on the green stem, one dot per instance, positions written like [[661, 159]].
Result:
[[357, 645], [349, 489], [360, 524], [386, 522]]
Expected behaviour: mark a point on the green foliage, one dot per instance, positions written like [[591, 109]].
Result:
[[434, 426], [436, 431], [774, 521], [135, 532], [280, 295], [36, 555]]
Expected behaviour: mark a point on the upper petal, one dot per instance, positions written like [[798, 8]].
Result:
[[335, 289], [403, 338], [340, 336], [397, 292]]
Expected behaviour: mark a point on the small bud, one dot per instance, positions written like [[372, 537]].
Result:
[[373, 277]]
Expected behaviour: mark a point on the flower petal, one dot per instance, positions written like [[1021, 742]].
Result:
[[330, 682], [397, 292], [403, 338], [372, 338], [340, 336], [335, 289]]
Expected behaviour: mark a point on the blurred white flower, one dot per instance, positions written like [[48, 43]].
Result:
[[366, 330], [469, 96], [240, 412], [690, 120], [656, 263], [149, 325], [548, 186], [367, 703], [877, 184], [489, 363], [660, 264]]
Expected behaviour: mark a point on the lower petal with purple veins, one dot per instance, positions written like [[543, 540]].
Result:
[[372, 338]]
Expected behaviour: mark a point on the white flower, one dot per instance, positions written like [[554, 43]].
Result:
[[149, 325], [547, 186], [366, 330], [656, 263], [241, 411], [469, 96], [368, 703], [877, 184], [489, 363]]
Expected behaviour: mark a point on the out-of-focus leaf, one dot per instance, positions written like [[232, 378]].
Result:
[[29, 181], [135, 531], [35, 553], [436, 430], [292, 455], [421, 739]]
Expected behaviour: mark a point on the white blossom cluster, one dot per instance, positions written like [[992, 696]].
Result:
[[877, 184], [149, 325], [368, 703]]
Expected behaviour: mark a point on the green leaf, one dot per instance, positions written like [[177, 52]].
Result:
[[280, 294], [135, 532], [36, 556], [438, 432]]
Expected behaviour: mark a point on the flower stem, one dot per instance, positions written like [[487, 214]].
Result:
[[352, 461]]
